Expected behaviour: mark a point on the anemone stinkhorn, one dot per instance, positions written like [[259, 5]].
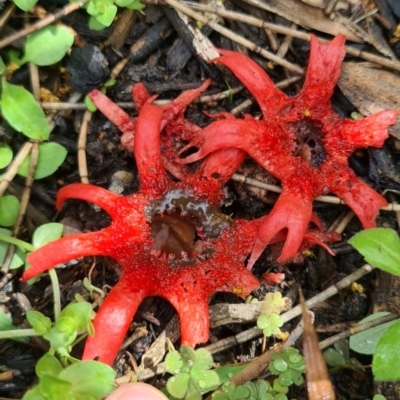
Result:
[[301, 141], [170, 240]]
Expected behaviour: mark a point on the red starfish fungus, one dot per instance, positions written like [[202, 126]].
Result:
[[301, 141], [169, 238]]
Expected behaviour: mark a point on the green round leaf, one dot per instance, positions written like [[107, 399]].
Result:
[[95, 25], [9, 208], [48, 45], [123, 3], [173, 362], [203, 360], [48, 365], [39, 322], [25, 5], [58, 338], [280, 365], [178, 385], [51, 156], [136, 5], [365, 342], [333, 358], [241, 392], [387, 355], [263, 321], [54, 388], [80, 312], [21, 111], [285, 378], [6, 155], [90, 378], [47, 233], [207, 380], [380, 247], [108, 16]]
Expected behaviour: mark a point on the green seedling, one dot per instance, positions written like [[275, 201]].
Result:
[[289, 367], [338, 357], [269, 320], [89, 380], [191, 373], [381, 248]]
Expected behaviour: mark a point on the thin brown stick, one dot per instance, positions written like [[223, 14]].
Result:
[[356, 329], [23, 205], [286, 31], [6, 15], [231, 35], [82, 163], [15, 166], [69, 8], [277, 189]]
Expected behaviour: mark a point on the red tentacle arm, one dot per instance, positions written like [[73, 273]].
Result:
[[323, 71], [222, 164], [140, 95], [360, 197], [224, 134], [179, 105], [368, 131], [194, 319], [291, 212], [93, 194], [65, 249], [267, 95], [114, 113], [112, 323], [147, 149]]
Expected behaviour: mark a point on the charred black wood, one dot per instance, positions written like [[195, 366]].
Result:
[[187, 36], [151, 40]]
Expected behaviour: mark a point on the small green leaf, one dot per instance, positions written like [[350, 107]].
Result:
[[365, 342], [66, 325], [173, 362], [47, 233], [95, 25], [55, 388], [48, 45], [108, 16], [22, 112], [90, 378], [333, 358], [380, 247], [6, 155], [58, 339], [51, 156], [203, 360], [9, 208], [39, 322], [89, 104], [34, 394], [7, 325], [123, 3], [387, 355], [228, 371], [48, 365], [207, 380], [80, 312], [136, 5], [178, 385], [25, 5], [3, 67]]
